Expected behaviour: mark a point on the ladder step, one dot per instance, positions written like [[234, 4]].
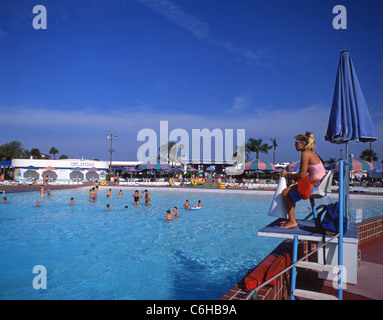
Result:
[[315, 266], [313, 295]]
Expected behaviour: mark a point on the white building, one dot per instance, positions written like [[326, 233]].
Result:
[[60, 169]]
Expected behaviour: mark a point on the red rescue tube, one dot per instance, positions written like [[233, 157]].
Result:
[[257, 276], [280, 263]]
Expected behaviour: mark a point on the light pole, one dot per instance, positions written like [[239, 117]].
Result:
[[111, 135]]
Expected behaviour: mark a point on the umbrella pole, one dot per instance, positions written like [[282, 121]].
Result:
[[347, 184]]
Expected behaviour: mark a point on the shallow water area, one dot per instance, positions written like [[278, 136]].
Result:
[[92, 253]]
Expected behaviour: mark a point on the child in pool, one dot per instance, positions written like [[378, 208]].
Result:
[[168, 216]]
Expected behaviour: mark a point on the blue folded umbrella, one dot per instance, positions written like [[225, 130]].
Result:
[[349, 117]]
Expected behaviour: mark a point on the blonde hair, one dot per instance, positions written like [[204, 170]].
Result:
[[308, 139]]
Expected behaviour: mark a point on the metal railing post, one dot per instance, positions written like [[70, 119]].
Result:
[[294, 269]]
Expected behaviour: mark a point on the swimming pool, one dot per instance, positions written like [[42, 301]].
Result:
[[92, 253]]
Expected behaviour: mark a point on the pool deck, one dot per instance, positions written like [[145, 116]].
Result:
[[370, 276], [370, 271]]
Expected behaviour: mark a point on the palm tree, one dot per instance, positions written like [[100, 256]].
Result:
[[170, 150], [369, 155], [275, 145], [35, 153], [53, 151], [256, 145]]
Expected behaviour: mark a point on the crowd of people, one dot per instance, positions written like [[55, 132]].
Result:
[[136, 201], [93, 194]]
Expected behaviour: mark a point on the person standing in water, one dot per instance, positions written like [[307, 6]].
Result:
[[136, 198], [147, 198]]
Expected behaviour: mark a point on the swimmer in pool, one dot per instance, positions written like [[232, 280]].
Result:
[[147, 198], [176, 214], [92, 195], [108, 207], [71, 201], [37, 204], [168, 216], [199, 205], [136, 197], [109, 193], [120, 194], [5, 200], [187, 204]]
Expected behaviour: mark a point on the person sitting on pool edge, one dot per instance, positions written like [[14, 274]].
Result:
[[312, 164]]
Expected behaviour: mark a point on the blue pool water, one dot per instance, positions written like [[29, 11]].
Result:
[[92, 253]]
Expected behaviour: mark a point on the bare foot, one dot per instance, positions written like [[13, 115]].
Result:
[[289, 225], [283, 221]]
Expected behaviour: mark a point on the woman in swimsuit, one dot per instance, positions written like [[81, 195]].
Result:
[[312, 164], [136, 197]]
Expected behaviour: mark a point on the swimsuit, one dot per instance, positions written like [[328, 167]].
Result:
[[316, 171], [136, 199]]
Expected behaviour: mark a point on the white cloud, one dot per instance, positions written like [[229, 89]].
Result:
[[83, 132], [240, 103], [200, 29], [174, 13]]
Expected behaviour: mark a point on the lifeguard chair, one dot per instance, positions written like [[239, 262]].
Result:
[[336, 254]]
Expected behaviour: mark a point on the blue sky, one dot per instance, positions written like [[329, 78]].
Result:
[[266, 66]]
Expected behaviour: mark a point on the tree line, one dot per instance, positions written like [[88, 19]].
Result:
[[15, 150], [257, 146]]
